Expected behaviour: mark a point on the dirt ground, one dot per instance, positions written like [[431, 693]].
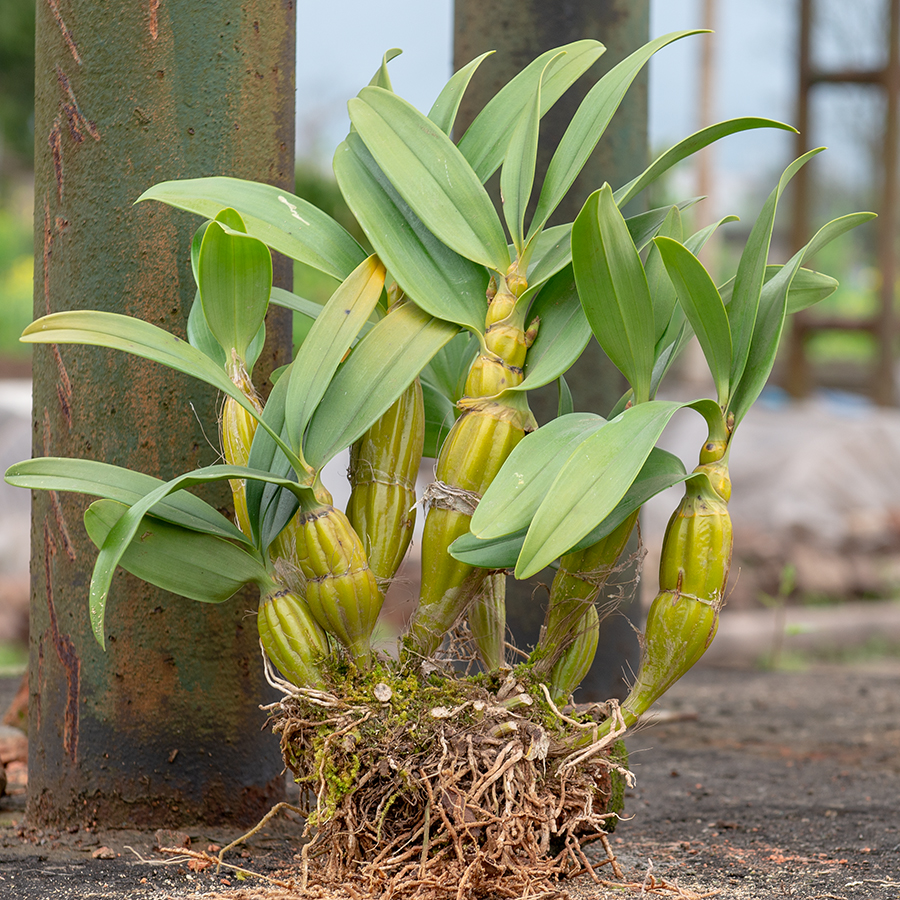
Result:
[[751, 784]]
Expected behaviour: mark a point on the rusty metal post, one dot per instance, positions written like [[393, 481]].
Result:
[[520, 30], [164, 727], [883, 386]]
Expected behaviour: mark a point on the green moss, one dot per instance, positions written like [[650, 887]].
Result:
[[619, 755]]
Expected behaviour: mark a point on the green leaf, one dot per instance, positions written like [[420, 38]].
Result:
[[807, 288], [269, 508], [381, 78], [234, 276], [661, 471], [431, 175], [593, 480], [485, 141], [773, 307], [449, 367], [661, 288], [645, 226], [438, 279], [380, 368], [613, 289], [443, 111], [124, 531], [751, 270], [328, 340], [284, 222], [104, 329], [439, 418], [199, 336], [521, 485], [197, 566], [517, 174], [562, 335], [99, 479], [703, 307], [566, 403], [689, 146], [588, 125]]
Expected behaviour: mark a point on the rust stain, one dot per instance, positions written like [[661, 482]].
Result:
[[55, 141], [76, 118], [48, 252], [54, 499], [154, 19], [67, 35], [65, 650]]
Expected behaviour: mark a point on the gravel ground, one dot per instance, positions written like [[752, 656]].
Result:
[[750, 784]]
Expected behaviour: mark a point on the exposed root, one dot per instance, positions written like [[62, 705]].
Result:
[[448, 788]]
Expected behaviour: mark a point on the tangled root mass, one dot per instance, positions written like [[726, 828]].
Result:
[[440, 786]]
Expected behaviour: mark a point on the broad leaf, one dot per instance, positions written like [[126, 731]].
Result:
[[99, 479], [593, 480], [124, 531], [703, 307], [449, 367], [688, 147], [661, 471], [439, 418], [588, 125], [269, 508], [751, 270], [328, 340], [773, 308], [807, 288], [382, 78], [443, 111], [234, 277], [438, 279], [284, 222], [613, 289], [517, 174], [521, 485], [562, 334], [197, 566], [104, 329], [661, 288], [566, 404], [431, 175], [486, 139], [380, 368]]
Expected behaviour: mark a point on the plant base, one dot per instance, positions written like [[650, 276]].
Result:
[[441, 785]]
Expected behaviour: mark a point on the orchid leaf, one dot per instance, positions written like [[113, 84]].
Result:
[[485, 142], [177, 559], [99, 479], [521, 485], [613, 289], [688, 147], [279, 219], [328, 341], [588, 125], [105, 329], [431, 175], [377, 371], [234, 277], [437, 278], [124, 531], [703, 307], [443, 111]]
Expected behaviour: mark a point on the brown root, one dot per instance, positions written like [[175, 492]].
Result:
[[444, 787]]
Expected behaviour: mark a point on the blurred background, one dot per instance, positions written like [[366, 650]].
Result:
[[816, 481]]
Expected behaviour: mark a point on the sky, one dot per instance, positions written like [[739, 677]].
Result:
[[754, 51]]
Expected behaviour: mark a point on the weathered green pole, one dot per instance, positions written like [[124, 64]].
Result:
[[520, 30], [163, 727]]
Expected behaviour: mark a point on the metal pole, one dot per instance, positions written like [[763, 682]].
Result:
[[884, 388], [164, 727]]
